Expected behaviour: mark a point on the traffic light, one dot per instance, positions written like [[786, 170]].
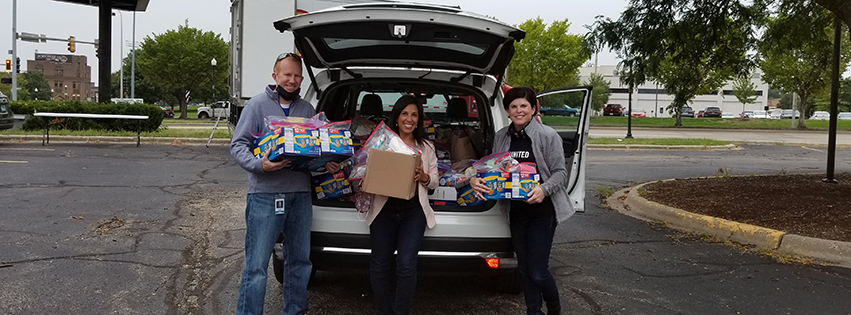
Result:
[[71, 45], [8, 64], [18, 64]]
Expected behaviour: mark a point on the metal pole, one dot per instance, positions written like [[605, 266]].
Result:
[[834, 102], [629, 117], [15, 50], [133, 63], [121, 53], [104, 50]]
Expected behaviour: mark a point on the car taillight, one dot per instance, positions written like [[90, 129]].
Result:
[[493, 262]]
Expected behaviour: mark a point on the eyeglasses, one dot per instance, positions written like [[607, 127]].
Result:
[[286, 55]]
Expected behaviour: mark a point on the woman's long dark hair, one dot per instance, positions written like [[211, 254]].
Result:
[[398, 107]]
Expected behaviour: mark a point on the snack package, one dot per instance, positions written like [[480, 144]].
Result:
[[328, 185], [522, 184], [524, 168], [453, 179], [277, 123], [467, 197], [289, 141], [499, 161], [498, 183]]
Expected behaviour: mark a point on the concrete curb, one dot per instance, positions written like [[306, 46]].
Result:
[[728, 147], [117, 140], [628, 201]]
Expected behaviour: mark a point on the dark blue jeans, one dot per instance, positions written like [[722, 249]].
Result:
[[397, 228], [262, 229], [532, 230]]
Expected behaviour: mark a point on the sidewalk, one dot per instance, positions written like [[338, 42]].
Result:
[[628, 201]]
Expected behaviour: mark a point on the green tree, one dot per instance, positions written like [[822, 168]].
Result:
[[796, 52], [744, 90], [178, 61], [601, 92], [23, 94], [144, 88], [36, 86], [688, 46], [822, 100], [548, 58]]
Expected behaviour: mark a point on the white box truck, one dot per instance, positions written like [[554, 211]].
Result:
[[255, 43]]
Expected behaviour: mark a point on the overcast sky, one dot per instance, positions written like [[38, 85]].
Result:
[[61, 20]]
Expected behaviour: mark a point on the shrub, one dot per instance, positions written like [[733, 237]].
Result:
[[154, 113]]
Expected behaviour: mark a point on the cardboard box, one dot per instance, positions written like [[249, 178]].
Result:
[[467, 197], [499, 184], [331, 185], [390, 174], [522, 184], [444, 196], [290, 142], [335, 141]]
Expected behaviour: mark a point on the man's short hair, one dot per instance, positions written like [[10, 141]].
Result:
[[283, 56]]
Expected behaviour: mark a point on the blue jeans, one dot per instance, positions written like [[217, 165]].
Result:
[[398, 229], [263, 227], [532, 231]]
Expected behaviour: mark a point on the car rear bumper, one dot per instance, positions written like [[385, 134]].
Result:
[[7, 123], [336, 251]]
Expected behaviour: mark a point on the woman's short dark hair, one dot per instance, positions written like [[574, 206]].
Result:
[[399, 106], [520, 92]]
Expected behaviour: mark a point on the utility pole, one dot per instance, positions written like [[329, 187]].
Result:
[[15, 50], [133, 62]]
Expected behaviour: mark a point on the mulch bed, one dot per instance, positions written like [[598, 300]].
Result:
[[796, 204]]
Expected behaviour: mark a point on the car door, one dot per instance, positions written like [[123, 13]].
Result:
[[574, 134]]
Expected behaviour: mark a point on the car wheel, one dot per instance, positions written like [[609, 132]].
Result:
[[508, 283], [203, 115]]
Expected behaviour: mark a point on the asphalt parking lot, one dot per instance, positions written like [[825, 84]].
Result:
[[104, 228]]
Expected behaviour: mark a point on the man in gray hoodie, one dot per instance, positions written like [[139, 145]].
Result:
[[278, 198]]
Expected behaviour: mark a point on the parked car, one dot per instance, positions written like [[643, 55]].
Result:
[[747, 114], [844, 116], [468, 54], [687, 112], [565, 110], [167, 112], [613, 110], [787, 114], [775, 114], [638, 112], [219, 109], [820, 115], [727, 115], [7, 118], [759, 114], [699, 114], [712, 112]]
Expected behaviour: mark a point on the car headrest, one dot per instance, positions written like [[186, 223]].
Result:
[[371, 105], [457, 109]]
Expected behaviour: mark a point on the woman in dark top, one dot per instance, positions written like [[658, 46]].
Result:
[[533, 221]]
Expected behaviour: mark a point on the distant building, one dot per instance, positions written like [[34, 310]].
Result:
[[69, 76], [651, 97]]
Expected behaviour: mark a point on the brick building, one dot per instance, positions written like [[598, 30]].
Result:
[[69, 76]]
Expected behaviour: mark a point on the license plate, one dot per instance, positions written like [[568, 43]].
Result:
[[3, 109]]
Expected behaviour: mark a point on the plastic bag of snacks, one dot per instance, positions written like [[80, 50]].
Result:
[[499, 161], [276, 123]]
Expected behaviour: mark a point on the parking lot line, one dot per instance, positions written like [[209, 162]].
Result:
[[27, 149], [15, 162]]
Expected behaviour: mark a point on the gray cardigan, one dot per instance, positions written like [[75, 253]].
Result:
[[549, 156], [242, 145]]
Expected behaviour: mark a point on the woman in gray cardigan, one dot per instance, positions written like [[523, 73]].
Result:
[[533, 221]]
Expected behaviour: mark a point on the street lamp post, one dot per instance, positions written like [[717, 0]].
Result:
[[213, 63], [121, 58]]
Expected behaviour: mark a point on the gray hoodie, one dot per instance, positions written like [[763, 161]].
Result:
[[549, 156], [242, 145]]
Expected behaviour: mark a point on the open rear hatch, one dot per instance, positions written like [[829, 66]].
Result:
[[403, 35]]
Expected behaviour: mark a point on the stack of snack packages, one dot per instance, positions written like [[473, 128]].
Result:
[[505, 177], [309, 143]]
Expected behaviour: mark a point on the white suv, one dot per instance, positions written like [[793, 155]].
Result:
[[361, 57]]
